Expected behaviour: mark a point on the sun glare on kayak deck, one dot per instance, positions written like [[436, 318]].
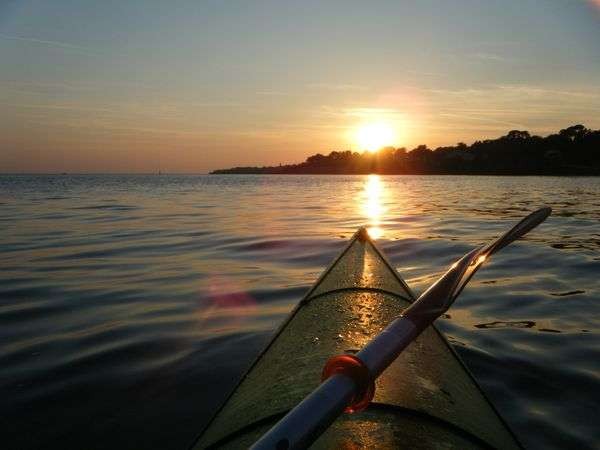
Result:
[[374, 136], [372, 205]]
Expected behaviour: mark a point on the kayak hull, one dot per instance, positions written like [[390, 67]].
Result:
[[425, 399]]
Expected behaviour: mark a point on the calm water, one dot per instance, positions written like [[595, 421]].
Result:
[[130, 305]]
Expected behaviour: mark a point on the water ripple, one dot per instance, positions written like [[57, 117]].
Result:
[[132, 304]]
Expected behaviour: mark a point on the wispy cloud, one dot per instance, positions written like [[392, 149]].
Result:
[[219, 104], [337, 87], [361, 113], [62, 107], [494, 44], [54, 44], [41, 85], [274, 93], [501, 93], [536, 91], [482, 116], [491, 57]]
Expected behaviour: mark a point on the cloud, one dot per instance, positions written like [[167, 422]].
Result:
[[536, 91], [274, 93], [486, 117], [491, 57], [501, 94], [54, 44], [362, 112], [219, 104], [64, 107], [337, 87]]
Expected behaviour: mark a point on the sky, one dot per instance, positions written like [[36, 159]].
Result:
[[191, 86]]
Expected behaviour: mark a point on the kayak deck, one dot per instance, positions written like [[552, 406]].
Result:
[[425, 399]]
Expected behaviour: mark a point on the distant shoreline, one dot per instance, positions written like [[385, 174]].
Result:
[[195, 174], [573, 151], [582, 175]]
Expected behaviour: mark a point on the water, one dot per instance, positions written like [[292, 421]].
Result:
[[130, 305]]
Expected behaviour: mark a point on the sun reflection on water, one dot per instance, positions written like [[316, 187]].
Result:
[[373, 206]]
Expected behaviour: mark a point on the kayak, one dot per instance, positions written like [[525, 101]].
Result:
[[425, 399]]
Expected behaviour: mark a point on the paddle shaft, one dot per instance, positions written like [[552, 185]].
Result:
[[313, 415]]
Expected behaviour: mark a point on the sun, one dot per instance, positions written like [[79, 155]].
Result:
[[373, 136]]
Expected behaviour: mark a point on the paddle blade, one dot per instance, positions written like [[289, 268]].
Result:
[[519, 230], [440, 296]]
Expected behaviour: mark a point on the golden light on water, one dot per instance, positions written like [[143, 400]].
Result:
[[373, 205], [376, 135]]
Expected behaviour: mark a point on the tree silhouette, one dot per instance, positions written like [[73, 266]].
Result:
[[572, 151]]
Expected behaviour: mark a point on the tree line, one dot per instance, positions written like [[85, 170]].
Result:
[[572, 151]]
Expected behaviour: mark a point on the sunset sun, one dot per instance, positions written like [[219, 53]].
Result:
[[373, 136]]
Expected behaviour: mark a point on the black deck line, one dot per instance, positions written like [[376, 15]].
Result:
[[358, 289], [399, 410]]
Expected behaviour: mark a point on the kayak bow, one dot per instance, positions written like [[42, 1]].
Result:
[[426, 398]]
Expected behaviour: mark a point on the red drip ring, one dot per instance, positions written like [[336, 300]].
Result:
[[354, 368]]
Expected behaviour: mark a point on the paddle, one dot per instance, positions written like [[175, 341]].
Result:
[[348, 380]]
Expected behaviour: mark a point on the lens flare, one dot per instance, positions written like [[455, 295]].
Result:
[[224, 306]]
